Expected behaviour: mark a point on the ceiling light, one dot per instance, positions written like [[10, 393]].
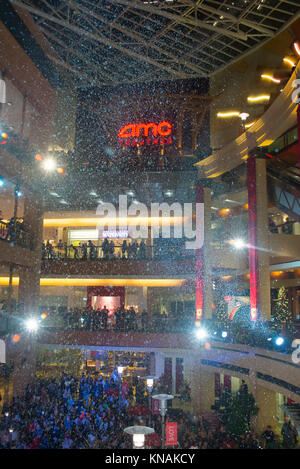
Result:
[[289, 61], [254, 99], [297, 47], [268, 77], [228, 114]]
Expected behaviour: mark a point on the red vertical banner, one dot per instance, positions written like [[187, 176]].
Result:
[[155, 407], [227, 382], [252, 234], [199, 265], [171, 434]]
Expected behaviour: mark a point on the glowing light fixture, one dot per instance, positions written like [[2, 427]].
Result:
[[138, 432], [228, 114], [224, 334], [297, 47], [115, 282], [244, 115], [289, 61], [249, 125], [255, 99], [268, 77]]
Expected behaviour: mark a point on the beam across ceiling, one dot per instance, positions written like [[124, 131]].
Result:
[[101, 39]]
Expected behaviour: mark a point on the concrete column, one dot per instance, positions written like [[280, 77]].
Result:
[[259, 259], [148, 309], [144, 299], [266, 402], [203, 391], [29, 284], [29, 290], [173, 375], [159, 364], [23, 356]]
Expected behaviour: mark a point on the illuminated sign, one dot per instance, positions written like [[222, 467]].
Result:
[[115, 234], [146, 134]]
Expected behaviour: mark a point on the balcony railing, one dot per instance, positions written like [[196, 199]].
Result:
[[254, 334], [98, 253], [13, 233]]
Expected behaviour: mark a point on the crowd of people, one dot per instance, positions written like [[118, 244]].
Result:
[[15, 231], [92, 411], [108, 250], [120, 319]]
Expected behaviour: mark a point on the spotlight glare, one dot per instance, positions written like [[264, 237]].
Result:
[[31, 325], [49, 164], [238, 243], [201, 333], [279, 341], [224, 334]]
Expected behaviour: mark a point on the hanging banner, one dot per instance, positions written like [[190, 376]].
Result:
[[171, 434], [155, 407]]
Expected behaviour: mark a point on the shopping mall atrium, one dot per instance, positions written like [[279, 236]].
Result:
[[150, 221]]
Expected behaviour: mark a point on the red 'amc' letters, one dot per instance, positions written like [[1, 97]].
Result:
[[163, 129]]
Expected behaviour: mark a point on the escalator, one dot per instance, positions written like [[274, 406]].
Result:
[[284, 186]]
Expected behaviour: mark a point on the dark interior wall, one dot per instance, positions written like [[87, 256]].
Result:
[[92, 138]]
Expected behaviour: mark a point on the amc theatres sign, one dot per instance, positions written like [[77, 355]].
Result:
[[146, 134]]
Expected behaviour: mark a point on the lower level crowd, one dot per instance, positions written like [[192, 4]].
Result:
[[92, 412]]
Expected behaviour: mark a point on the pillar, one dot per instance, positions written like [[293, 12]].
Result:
[[144, 299], [29, 289], [260, 299], [203, 259], [266, 402], [203, 390], [173, 375], [23, 357], [159, 364], [29, 283]]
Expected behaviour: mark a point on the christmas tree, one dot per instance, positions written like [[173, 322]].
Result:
[[282, 316], [239, 416]]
